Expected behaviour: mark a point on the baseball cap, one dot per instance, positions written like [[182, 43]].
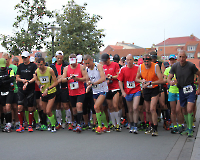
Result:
[[172, 56], [38, 54], [79, 58], [104, 57], [116, 57], [25, 54], [2, 62], [166, 64], [59, 53], [32, 59]]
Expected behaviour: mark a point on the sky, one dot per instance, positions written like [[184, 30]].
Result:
[[142, 22]]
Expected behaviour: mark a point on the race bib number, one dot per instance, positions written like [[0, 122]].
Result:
[[96, 86], [74, 85], [4, 93], [130, 84], [187, 89], [44, 79]]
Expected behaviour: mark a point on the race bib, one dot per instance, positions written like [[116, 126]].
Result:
[[44, 79], [4, 93], [150, 86], [74, 85], [96, 86], [130, 84], [187, 89]]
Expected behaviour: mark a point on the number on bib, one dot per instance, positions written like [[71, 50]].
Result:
[[130, 84], [187, 89], [4, 93], [74, 85], [44, 79], [96, 86]]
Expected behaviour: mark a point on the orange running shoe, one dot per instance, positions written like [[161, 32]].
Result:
[[106, 129], [20, 129], [98, 130], [30, 129], [70, 127]]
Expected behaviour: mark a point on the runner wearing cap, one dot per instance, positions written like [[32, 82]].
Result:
[[131, 91], [112, 96], [7, 91], [173, 98], [62, 93], [75, 75], [151, 77], [26, 88], [185, 71]]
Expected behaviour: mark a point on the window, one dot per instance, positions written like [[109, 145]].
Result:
[[191, 48], [190, 55], [178, 49], [160, 49], [198, 55]]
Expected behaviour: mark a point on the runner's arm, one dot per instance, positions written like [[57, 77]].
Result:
[[159, 75], [138, 76], [64, 77], [55, 81], [102, 75]]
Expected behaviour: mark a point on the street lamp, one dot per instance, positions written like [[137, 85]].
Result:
[[53, 29]]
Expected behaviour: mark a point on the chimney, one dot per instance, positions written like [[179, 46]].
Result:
[[191, 36]]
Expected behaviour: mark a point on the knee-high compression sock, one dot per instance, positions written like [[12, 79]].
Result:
[[54, 113], [79, 116], [186, 120], [69, 117], [36, 116], [103, 118], [167, 114], [8, 117], [75, 118], [52, 120], [190, 120], [112, 117], [41, 116], [2, 117], [30, 118], [44, 119], [98, 115], [27, 116], [21, 117], [58, 116], [63, 116]]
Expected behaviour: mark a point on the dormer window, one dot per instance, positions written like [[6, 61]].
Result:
[[191, 48]]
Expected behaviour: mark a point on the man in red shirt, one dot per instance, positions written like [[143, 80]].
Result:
[[131, 91], [75, 75], [112, 97]]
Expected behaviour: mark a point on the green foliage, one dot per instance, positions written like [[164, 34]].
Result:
[[30, 30], [79, 33]]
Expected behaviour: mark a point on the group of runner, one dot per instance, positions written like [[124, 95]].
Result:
[[83, 94]]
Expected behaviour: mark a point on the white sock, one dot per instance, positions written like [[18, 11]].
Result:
[[69, 116], [112, 117], [117, 117], [58, 116]]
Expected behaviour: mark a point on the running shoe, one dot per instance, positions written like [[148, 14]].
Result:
[[106, 129], [118, 128], [142, 127], [135, 131], [131, 130], [70, 127], [63, 125], [37, 127], [167, 125], [20, 129], [53, 129], [43, 128], [190, 133], [180, 130], [123, 122], [154, 133], [94, 128], [98, 130], [49, 127], [128, 126], [78, 128], [185, 132], [85, 127], [174, 130], [30, 129], [149, 131], [58, 127], [171, 126], [7, 129]]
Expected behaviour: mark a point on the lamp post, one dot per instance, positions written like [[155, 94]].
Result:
[[53, 29]]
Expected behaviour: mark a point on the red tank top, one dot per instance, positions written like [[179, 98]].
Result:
[[75, 88]]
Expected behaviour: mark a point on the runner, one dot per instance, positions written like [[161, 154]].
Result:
[[97, 80], [151, 77], [131, 91], [26, 88], [7, 91], [75, 75], [47, 82], [185, 71], [112, 96]]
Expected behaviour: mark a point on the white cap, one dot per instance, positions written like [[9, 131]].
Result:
[[32, 59], [25, 54], [59, 53], [79, 58]]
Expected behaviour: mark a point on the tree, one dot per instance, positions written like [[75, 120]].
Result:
[[30, 30], [79, 33]]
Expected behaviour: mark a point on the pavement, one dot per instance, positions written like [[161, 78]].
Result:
[[87, 145]]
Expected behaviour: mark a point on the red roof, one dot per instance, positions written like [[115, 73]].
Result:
[[178, 40], [111, 48], [116, 47]]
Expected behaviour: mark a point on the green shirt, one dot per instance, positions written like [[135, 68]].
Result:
[[14, 68], [172, 89]]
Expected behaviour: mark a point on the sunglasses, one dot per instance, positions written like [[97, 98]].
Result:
[[24, 57]]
